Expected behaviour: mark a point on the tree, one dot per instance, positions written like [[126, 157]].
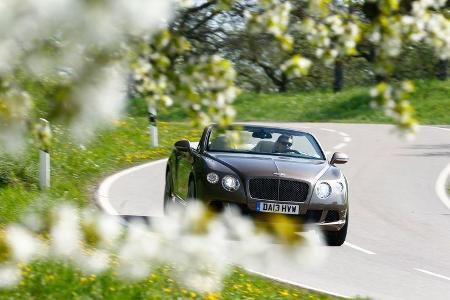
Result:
[[442, 67]]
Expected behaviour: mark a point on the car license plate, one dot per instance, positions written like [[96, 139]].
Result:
[[280, 208]]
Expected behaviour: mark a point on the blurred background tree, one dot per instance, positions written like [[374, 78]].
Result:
[[257, 56]]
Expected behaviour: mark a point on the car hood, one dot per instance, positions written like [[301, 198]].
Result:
[[251, 165]]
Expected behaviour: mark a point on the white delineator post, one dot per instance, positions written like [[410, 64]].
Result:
[[44, 161], [44, 169], [152, 125]]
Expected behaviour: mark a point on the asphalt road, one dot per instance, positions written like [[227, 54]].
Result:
[[398, 244]]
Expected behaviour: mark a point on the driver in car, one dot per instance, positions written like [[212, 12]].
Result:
[[283, 144]]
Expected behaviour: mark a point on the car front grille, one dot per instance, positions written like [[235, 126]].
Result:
[[278, 189]]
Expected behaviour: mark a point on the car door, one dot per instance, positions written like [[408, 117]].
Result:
[[183, 164]]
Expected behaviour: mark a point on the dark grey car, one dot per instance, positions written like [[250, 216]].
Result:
[[262, 170]]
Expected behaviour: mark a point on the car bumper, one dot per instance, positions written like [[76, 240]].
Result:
[[328, 214], [326, 217]]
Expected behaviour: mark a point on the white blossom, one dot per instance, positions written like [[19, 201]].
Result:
[[88, 39], [23, 244], [10, 276], [94, 262], [138, 252], [65, 233], [101, 102]]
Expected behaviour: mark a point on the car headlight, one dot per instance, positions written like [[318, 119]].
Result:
[[323, 190], [340, 186], [212, 178], [230, 183]]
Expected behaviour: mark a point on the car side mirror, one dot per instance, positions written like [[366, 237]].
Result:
[[339, 158], [183, 146]]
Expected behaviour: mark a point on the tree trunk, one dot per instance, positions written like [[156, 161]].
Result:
[[380, 77], [442, 67], [282, 84], [282, 88], [338, 82]]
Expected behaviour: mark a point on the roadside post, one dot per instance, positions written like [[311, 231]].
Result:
[[44, 135], [152, 125]]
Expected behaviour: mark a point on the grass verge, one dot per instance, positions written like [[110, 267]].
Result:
[[76, 168], [58, 281], [431, 101]]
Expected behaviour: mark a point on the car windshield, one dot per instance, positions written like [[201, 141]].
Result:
[[261, 140]]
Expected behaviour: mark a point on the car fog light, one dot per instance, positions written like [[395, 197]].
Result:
[[212, 178], [230, 183], [323, 190], [340, 186]]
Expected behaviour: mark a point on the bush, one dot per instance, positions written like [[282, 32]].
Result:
[[15, 171]]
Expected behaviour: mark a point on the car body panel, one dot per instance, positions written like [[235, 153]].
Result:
[[183, 163]]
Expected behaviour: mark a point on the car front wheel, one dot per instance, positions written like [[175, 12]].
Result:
[[337, 238]]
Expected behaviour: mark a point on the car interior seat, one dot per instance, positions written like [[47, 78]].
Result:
[[220, 143], [264, 147]]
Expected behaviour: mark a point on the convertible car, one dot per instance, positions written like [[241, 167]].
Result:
[[262, 170]]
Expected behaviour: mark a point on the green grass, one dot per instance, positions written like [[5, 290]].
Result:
[[76, 169], [58, 281], [431, 101]]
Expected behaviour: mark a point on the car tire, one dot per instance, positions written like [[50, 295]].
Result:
[[191, 190], [168, 193], [337, 238]]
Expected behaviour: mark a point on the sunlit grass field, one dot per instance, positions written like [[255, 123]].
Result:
[[431, 101]]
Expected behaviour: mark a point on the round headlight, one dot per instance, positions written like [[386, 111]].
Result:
[[212, 178], [340, 186], [230, 183], [323, 190]]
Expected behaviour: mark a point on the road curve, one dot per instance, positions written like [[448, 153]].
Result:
[[398, 244]]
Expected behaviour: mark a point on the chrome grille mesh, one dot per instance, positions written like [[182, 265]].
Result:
[[264, 188], [278, 189]]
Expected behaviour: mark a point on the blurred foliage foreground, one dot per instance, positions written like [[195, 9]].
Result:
[[72, 62]]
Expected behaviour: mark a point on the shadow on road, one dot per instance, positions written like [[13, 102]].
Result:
[[435, 150]]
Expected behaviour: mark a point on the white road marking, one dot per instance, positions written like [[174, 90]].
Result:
[[433, 274], [440, 187], [339, 146], [102, 194], [437, 127], [329, 130], [298, 284], [346, 136], [359, 248]]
